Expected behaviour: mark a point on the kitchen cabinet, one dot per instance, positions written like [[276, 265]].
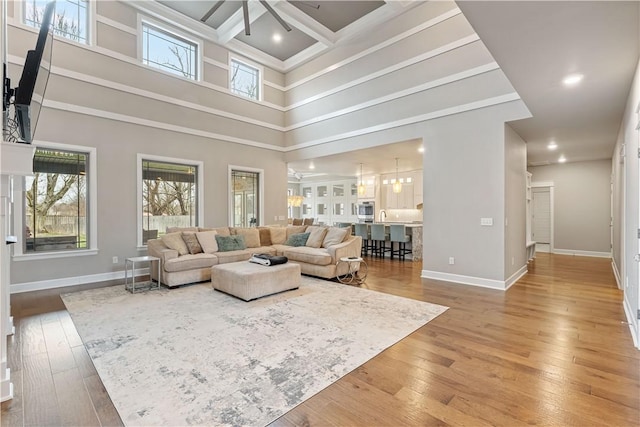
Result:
[[401, 200]]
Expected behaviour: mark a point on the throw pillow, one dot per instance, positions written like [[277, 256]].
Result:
[[334, 236], [251, 236], [299, 239], [316, 236], [265, 236], [278, 235], [230, 243], [176, 242], [295, 229], [192, 243], [207, 240]]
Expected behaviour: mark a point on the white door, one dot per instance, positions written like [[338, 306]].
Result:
[[541, 218]]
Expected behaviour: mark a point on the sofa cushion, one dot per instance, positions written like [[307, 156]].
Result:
[[233, 256], [316, 236], [251, 236], [299, 239], [309, 255], [181, 229], [175, 241], [265, 236], [230, 243], [270, 250], [207, 240], [192, 243], [190, 262], [335, 236], [295, 229], [222, 231], [278, 235]]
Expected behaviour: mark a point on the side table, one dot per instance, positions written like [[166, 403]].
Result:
[[131, 287], [357, 273]]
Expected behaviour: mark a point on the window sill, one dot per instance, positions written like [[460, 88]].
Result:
[[53, 255]]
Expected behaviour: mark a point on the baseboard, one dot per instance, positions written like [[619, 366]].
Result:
[[633, 323], [582, 253], [616, 273], [516, 276], [17, 288], [465, 280]]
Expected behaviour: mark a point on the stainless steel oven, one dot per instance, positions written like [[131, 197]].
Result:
[[366, 211]]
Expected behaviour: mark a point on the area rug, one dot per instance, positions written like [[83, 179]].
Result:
[[195, 356]]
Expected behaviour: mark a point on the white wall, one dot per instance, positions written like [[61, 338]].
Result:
[[582, 205]]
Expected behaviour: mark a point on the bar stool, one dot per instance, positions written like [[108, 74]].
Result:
[[380, 240], [399, 234], [362, 230]]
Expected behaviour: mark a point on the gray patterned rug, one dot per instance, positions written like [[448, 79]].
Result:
[[194, 356]]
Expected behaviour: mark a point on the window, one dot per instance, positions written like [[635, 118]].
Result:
[[70, 19], [169, 195], [168, 52], [244, 80], [56, 210]]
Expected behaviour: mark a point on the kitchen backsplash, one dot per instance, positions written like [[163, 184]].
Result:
[[404, 215]]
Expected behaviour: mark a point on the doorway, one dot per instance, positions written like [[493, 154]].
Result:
[[542, 217], [246, 197]]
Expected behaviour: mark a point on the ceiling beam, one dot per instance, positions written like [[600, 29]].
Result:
[[305, 23], [235, 23]]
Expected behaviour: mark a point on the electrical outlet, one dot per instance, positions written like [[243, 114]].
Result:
[[115, 259], [452, 260]]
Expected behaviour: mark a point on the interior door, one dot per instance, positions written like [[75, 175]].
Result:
[[541, 218]]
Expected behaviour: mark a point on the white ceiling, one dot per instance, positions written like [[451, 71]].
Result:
[[536, 44]]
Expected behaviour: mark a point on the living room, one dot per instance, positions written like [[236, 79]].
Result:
[[424, 74]]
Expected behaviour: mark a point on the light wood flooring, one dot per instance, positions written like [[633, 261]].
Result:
[[554, 350]]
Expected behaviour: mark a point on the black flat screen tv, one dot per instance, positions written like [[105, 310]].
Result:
[[29, 94]]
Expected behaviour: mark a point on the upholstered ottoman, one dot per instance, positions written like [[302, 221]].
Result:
[[249, 281]]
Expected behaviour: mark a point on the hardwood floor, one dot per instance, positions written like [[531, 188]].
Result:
[[554, 350]]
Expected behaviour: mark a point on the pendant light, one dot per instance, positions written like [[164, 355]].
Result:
[[361, 188], [397, 186]]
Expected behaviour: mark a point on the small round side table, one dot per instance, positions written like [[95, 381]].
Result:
[[357, 273]]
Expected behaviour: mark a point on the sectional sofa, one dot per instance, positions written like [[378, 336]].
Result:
[[188, 254]]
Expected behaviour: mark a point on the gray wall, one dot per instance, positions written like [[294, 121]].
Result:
[[515, 202], [582, 204]]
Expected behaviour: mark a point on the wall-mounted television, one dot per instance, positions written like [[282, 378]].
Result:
[[29, 94]]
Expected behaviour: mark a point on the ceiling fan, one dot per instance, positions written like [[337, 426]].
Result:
[[245, 13]]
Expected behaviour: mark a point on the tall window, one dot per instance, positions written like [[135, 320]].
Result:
[[70, 20], [244, 80], [245, 190], [56, 214], [166, 51], [169, 197]]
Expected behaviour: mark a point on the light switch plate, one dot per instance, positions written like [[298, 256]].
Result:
[[486, 221]]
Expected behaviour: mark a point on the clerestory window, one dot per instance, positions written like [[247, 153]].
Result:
[[71, 18]]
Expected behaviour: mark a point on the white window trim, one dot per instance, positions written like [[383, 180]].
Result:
[[164, 26], [92, 196], [251, 64], [18, 13], [260, 194], [139, 202]]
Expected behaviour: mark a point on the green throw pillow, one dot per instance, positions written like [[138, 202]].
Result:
[[298, 239], [230, 243]]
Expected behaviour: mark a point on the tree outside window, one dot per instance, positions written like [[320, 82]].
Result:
[[168, 52], [70, 19], [169, 197], [244, 80], [56, 202]]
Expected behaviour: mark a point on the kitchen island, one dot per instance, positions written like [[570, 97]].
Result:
[[415, 231]]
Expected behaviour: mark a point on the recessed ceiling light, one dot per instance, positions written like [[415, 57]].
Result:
[[421, 150], [562, 159], [312, 166], [552, 145], [276, 37], [572, 79]]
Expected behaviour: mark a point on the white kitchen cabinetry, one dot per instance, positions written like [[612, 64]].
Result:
[[369, 187], [401, 200], [330, 202]]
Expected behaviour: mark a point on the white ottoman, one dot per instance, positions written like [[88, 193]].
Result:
[[249, 281]]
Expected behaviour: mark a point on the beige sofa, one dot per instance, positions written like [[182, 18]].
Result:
[[183, 262]]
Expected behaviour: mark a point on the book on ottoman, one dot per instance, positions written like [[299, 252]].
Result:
[[265, 259]]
